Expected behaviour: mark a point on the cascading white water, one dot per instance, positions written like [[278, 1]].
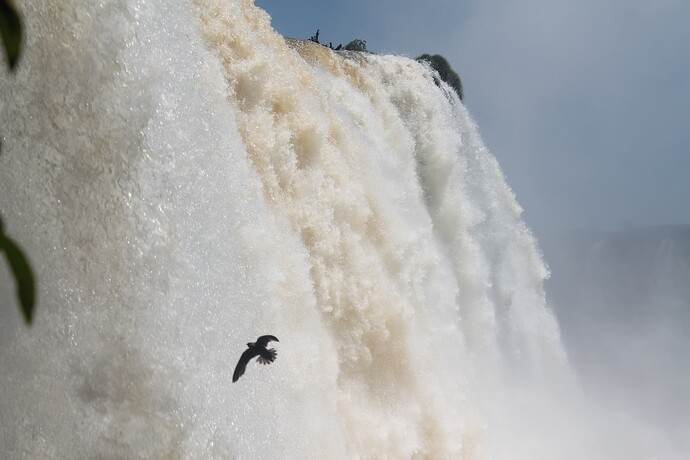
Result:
[[185, 179]]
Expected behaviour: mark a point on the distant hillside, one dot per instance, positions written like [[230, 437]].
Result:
[[623, 303]]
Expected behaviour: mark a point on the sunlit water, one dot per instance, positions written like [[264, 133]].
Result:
[[184, 179]]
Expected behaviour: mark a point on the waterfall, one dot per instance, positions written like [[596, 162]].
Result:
[[185, 179]]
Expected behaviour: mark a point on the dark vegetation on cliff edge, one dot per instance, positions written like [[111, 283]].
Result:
[[445, 71], [436, 61]]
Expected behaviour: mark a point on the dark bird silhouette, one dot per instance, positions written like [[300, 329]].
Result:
[[258, 348]]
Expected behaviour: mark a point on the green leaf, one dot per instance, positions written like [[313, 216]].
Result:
[[11, 31], [23, 275]]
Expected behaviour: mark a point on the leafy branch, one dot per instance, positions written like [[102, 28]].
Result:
[[23, 275], [11, 33]]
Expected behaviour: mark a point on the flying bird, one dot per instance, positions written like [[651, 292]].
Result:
[[258, 348]]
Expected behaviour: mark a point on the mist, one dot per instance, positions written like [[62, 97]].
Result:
[[583, 104], [621, 298]]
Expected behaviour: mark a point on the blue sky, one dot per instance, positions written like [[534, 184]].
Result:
[[585, 103]]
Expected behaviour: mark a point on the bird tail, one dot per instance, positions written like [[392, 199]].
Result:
[[268, 360]]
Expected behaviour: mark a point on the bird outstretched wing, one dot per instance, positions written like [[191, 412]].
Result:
[[248, 354], [264, 339]]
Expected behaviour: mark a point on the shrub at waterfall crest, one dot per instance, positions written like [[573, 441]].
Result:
[[356, 45], [447, 74]]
